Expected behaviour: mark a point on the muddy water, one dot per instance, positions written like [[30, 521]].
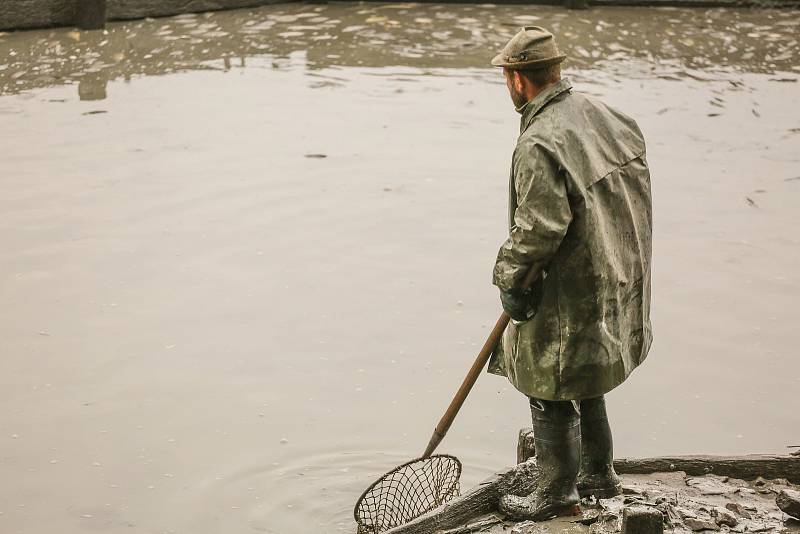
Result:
[[246, 256]]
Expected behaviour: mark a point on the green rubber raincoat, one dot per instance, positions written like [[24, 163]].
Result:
[[580, 210]]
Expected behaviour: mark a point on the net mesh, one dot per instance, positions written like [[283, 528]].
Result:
[[407, 492]]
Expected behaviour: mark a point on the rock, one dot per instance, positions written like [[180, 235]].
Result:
[[633, 499], [700, 524], [642, 520], [587, 517], [709, 485], [762, 486], [739, 510], [526, 527], [723, 516], [684, 513], [789, 502], [631, 490]]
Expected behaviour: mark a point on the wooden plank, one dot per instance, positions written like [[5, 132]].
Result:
[[478, 501], [744, 467]]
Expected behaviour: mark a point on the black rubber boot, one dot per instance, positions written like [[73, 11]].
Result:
[[556, 433], [597, 476]]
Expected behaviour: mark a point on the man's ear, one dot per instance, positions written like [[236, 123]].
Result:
[[509, 75], [517, 80]]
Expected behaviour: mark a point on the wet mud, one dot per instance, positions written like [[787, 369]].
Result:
[[246, 256], [686, 504]]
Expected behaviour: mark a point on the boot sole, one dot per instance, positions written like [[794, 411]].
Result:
[[601, 493]]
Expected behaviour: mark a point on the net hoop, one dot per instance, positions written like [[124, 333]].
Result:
[[407, 492]]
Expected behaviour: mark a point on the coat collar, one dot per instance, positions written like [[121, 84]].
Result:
[[532, 107]]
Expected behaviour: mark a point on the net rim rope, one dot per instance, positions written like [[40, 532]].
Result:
[[390, 502]]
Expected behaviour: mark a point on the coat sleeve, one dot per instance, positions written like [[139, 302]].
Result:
[[540, 220]]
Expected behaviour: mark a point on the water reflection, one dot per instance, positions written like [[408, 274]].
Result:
[[93, 86], [666, 42]]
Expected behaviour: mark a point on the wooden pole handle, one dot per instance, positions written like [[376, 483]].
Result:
[[474, 372]]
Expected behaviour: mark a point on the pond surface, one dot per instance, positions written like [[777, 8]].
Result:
[[246, 256]]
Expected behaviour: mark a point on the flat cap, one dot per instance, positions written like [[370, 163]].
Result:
[[532, 47]]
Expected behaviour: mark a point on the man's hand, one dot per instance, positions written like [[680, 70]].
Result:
[[517, 304]]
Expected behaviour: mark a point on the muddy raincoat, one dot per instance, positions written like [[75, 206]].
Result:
[[579, 208]]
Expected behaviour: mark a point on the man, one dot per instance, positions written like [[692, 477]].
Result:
[[579, 217]]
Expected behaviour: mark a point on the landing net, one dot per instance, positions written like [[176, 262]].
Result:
[[406, 492]]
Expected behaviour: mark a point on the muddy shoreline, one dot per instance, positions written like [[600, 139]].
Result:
[[50, 13], [678, 44], [53, 13], [687, 504], [680, 493]]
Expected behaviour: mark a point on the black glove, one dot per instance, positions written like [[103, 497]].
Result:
[[517, 304]]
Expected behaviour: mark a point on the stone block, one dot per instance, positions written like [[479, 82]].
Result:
[[639, 519], [789, 502]]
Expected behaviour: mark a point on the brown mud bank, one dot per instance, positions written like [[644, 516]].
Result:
[[669, 44], [686, 504], [750, 493], [29, 14], [92, 14], [755, 493]]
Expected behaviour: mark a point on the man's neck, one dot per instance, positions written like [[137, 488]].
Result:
[[536, 90], [532, 91]]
